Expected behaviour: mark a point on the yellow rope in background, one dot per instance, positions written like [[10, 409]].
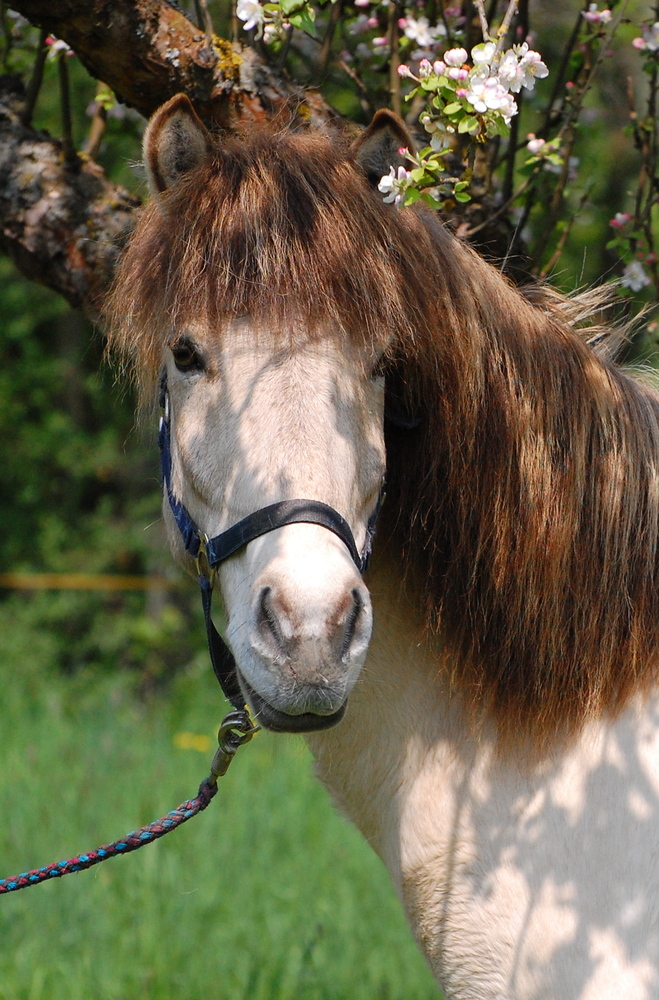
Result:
[[80, 581]]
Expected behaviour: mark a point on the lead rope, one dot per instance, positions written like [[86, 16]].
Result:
[[236, 729]]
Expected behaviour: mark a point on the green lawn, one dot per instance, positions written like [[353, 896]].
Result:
[[269, 895]]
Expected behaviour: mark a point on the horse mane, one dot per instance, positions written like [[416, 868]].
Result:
[[527, 498]]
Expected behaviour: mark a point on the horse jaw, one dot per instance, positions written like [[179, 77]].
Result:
[[271, 419]]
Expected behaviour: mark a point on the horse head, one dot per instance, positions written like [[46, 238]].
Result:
[[266, 410]]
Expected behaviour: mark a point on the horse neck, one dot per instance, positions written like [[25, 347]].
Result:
[[399, 708]]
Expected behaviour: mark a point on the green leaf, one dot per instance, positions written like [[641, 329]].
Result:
[[304, 20], [291, 6], [412, 195], [453, 108], [468, 123], [430, 201], [461, 196], [417, 174], [502, 129]]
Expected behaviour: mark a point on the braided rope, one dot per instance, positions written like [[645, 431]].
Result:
[[132, 842]]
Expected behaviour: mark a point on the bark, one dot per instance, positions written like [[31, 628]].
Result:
[[63, 223], [148, 50], [61, 220], [62, 226]]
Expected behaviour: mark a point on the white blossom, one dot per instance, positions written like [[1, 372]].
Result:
[[635, 277], [394, 185], [57, 47], [486, 93], [420, 30], [252, 13], [440, 134], [483, 53], [532, 67], [650, 39]]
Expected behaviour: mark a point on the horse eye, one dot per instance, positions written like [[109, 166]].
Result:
[[186, 357]]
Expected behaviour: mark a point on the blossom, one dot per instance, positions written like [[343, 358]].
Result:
[[483, 53], [486, 93], [532, 68], [619, 220], [420, 30], [650, 39], [361, 24], [534, 145], [362, 3], [57, 47], [455, 57], [439, 132], [634, 277], [394, 185], [595, 16], [252, 13], [439, 67], [404, 70]]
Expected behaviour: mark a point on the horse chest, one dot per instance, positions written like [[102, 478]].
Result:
[[519, 882]]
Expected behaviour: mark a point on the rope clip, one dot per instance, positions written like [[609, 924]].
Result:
[[236, 729]]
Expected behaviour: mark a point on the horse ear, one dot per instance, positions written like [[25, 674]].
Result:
[[376, 149], [175, 142]]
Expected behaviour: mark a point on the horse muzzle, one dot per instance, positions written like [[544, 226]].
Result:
[[300, 658]]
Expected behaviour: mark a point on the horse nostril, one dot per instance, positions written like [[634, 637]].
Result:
[[267, 621], [352, 622]]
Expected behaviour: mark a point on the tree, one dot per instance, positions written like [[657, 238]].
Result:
[[65, 225]]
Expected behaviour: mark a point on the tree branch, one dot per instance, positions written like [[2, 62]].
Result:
[[148, 50], [61, 227]]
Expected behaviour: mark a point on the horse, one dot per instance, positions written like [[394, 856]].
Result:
[[482, 701]]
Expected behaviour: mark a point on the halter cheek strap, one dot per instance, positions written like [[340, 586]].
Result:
[[210, 553]]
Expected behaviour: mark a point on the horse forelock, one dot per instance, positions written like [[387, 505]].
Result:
[[527, 502], [274, 226]]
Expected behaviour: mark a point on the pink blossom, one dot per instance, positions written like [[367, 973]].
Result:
[[534, 145], [638, 43], [595, 16], [404, 70], [455, 57], [619, 220]]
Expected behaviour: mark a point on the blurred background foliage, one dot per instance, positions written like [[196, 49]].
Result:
[[87, 673]]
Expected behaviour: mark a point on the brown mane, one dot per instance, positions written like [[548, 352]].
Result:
[[530, 492]]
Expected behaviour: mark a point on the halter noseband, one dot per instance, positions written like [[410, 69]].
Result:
[[209, 553]]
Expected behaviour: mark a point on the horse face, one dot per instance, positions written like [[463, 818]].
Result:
[[257, 419]]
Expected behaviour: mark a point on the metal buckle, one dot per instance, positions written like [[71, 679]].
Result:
[[236, 729], [204, 569]]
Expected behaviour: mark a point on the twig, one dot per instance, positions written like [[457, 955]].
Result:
[[70, 155], [505, 25], [485, 28], [97, 128], [502, 209], [394, 59], [560, 246], [34, 85], [326, 47], [285, 49], [204, 20]]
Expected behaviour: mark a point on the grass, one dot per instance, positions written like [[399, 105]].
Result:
[[269, 895]]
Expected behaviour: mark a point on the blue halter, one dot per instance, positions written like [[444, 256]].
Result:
[[209, 553]]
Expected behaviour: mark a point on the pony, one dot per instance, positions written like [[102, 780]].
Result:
[[482, 703]]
